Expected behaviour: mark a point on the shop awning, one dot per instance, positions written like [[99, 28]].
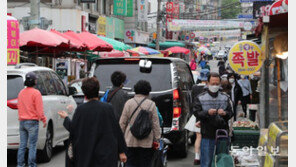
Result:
[[116, 44], [167, 44], [177, 49]]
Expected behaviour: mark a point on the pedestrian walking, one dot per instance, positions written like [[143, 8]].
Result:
[[236, 92], [117, 96], [247, 92], [226, 87], [82, 73], [253, 107], [193, 124], [193, 64], [213, 108], [30, 112], [202, 63], [140, 151], [95, 135], [207, 66]]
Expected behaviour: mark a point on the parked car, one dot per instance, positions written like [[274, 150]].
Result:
[[78, 95], [55, 96], [171, 81]]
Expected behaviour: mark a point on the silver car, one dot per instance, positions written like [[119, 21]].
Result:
[[55, 96]]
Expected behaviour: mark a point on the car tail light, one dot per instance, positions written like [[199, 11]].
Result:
[[176, 110], [131, 59], [12, 104], [176, 94]]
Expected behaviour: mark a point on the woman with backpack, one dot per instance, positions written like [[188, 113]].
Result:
[[137, 112]]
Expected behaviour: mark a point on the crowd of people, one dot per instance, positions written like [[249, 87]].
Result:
[[102, 131]]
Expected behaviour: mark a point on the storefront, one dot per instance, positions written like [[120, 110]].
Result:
[[136, 38]]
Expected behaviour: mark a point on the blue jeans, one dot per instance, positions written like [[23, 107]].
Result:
[[207, 148], [28, 131]]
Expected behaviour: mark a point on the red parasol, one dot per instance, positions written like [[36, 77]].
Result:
[[75, 44], [94, 43], [177, 49], [41, 38]]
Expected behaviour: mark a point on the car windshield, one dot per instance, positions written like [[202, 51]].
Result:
[[159, 77], [15, 84]]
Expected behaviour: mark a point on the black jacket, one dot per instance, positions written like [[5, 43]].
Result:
[[209, 124], [96, 136], [118, 100], [238, 93]]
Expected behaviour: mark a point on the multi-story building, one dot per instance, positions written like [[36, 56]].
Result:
[[97, 18]]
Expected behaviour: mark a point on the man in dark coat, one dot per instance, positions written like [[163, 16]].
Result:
[[117, 96], [95, 134], [213, 108]]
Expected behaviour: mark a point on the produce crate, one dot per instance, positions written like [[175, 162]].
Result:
[[242, 138]]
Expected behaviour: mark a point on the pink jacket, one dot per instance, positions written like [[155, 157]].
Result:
[[30, 105]]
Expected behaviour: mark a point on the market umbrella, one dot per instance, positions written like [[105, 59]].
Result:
[[178, 49], [41, 38], [91, 41], [204, 50], [145, 50], [116, 44], [75, 44], [113, 53]]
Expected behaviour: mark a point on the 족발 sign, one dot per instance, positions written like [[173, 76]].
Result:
[[245, 57], [13, 36]]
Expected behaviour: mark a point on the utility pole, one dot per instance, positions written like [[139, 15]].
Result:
[[158, 24], [35, 13]]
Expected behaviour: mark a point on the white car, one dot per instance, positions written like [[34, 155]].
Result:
[[55, 96]]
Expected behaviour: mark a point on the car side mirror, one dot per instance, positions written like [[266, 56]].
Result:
[[72, 91]]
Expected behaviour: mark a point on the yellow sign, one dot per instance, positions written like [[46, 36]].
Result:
[[269, 161], [272, 135], [102, 26], [245, 57]]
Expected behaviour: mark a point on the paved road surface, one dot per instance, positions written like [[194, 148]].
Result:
[[58, 159]]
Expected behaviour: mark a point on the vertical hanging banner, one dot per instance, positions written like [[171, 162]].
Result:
[[130, 8], [110, 27], [142, 10], [120, 7], [169, 10], [245, 57], [13, 36], [102, 26], [119, 28]]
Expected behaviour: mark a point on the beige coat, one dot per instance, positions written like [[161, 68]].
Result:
[[128, 109]]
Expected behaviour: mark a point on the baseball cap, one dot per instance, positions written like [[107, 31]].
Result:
[[204, 73], [31, 76]]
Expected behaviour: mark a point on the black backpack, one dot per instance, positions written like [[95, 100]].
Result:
[[142, 126]]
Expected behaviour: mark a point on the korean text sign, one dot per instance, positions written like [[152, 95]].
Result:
[[13, 36], [245, 57]]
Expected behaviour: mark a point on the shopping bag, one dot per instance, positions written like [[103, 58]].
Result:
[[191, 125], [157, 159]]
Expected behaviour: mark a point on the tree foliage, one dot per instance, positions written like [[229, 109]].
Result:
[[230, 9]]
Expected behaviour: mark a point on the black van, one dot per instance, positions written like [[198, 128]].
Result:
[[171, 81]]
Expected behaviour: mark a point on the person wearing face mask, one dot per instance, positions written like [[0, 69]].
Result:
[[236, 93], [247, 92], [213, 108]]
